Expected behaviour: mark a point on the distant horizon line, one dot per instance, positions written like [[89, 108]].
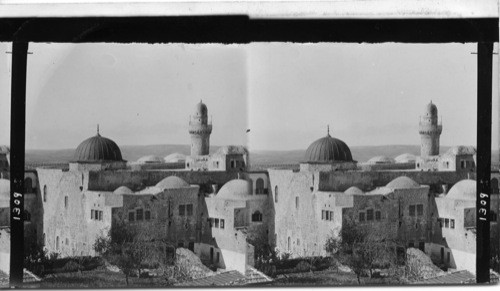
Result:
[[187, 145]]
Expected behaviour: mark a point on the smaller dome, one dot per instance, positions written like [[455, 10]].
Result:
[[232, 150], [431, 109], [381, 160], [4, 189], [200, 109], [235, 189], [461, 150], [354, 190], [151, 159], [175, 158], [402, 183], [464, 190], [405, 158], [123, 190], [172, 182]]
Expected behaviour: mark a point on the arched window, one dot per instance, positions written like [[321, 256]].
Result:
[[44, 193], [276, 194], [257, 216], [259, 186], [28, 185]]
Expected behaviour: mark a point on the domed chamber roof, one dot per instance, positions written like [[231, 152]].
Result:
[[402, 183], [381, 160], [405, 158], [123, 190], [328, 149], [236, 189], [172, 182], [431, 109], [174, 158], [232, 150], [4, 190], [151, 159], [464, 190], [354, 190], [200, 109], [98, 149], [461, 150]]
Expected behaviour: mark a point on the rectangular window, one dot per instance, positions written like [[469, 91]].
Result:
[[222, 223], [139, 214], [92, 214], [446, 223], [216, 223], [96, 215], [297, 202], [331, 215], [452, 223], [369, 214], [100, 215], [421, 246], [147, 215], [440, 220], [448, 257], [210, 221], [462, 164], [412, 210], [378, 215], [182, 210], [131, 216], [411, 245], [326, 215], [420, 209], [189, 209], [323, 214], [361, 216]]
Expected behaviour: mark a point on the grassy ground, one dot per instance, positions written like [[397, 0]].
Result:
[[99, 278], [326, 278]]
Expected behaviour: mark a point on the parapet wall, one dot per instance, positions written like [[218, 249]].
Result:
[[137, 180], [341, 181]]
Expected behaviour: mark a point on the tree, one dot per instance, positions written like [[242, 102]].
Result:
[[129, 248], [361, 248]]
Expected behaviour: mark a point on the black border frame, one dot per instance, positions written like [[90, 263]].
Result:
[[242, 29]]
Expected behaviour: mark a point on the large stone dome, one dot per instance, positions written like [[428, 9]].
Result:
[[328, 149], [236, 189], [464, 190], [98, 149]]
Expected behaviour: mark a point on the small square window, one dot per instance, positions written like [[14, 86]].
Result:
[[412, 210], [222, 223], [189, 209], [139, 214], [420, 210], [446, 223], [452, 223], [361, 216], [369, 214], [96, 215], [216, 223], [331, 215], [182, 210], [100, 215], [327, 217]]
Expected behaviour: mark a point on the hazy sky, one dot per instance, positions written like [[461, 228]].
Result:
[[369, 94]]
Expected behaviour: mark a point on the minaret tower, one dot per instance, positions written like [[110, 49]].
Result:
[[430, 130], [200, 129]]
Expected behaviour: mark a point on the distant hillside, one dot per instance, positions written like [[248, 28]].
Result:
[[133, 153]]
